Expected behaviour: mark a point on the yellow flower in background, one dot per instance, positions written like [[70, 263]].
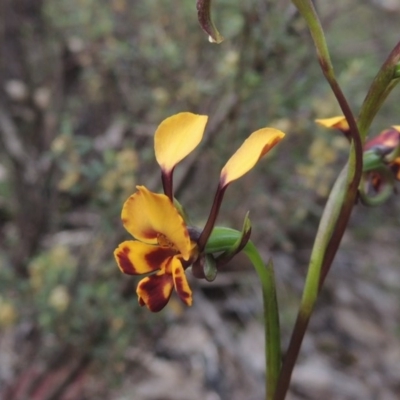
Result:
[[386, 145], [163, 247], [339, 122], [59, 298], [8, 314]]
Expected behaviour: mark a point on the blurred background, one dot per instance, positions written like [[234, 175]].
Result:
[[83, 86]]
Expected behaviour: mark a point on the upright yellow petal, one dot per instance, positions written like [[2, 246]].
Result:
[[339, 122], [176, 137], [246, 157], [148, 216]]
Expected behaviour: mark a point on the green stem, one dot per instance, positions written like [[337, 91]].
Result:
[[325, 231], [385, 80], [337, 211], [222, 239], [307, 10], [271, 318], [344, 194], [312, 286]]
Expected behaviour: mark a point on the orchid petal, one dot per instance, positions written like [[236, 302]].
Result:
[[155, 291], [388, 138], [147, 216], [246, 157], [176, 137], [181, 283], [339, 122], [136, 258]]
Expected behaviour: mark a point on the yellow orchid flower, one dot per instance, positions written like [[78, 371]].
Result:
[[162, 245]]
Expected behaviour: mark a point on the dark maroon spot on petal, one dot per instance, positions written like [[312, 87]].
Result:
[[154, 287], [158, 255], [179, 288], [177, 271], [124, 262], [150, 234]]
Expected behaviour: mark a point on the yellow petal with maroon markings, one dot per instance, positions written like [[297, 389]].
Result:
[[180, 282], [176, 137], [339, 122], [136, 258], [154, 291], [246, 157], [148, 216]]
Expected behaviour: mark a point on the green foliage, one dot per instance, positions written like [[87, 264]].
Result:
[[71, 304]]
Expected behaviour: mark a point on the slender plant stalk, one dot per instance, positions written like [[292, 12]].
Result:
[[336, 213], [313, 282], [271, 318], [222, 239], [384, 82], [344, 193]]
